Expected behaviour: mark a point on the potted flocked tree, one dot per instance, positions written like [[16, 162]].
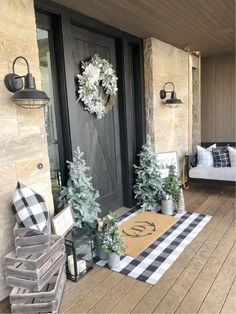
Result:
[[80, 193], [113, 241], [172, 189], [148, 185]]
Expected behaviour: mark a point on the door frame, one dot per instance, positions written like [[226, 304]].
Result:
[[129, 49], [45, 22]]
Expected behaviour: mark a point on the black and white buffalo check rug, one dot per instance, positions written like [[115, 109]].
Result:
[[153, 262]]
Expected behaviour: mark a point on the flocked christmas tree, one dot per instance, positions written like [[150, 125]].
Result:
[[148, 186], [172, 184], [80, 193]]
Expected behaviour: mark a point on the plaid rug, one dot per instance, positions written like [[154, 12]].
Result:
[[152, 263]]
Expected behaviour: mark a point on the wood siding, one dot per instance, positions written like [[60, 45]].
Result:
[[218, 98], [207, 26]]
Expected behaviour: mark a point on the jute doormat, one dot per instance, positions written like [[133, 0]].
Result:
[[143, 229]]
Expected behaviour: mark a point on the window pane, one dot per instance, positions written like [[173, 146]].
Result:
[[49, 111]]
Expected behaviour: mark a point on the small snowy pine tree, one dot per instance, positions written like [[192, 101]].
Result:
[[172, 184], [148, 186], [79, 192]]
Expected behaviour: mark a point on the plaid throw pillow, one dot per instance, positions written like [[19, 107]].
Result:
[[221, 157], [204, 156], [29, 208]]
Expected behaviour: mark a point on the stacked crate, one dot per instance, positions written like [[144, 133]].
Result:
[[36, 271]]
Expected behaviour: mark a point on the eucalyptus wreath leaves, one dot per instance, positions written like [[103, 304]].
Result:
[[97, 86]]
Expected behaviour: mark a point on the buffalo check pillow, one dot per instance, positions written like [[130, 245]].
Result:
[[204, 156], [29, 208], [221, 157]]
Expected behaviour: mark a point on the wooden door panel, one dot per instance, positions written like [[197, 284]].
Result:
[[98, 139]]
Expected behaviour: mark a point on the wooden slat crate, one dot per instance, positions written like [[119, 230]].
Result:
[[28, 241], [47, 300], [34, 271], [35, 261]]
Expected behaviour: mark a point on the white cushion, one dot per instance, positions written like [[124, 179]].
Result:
[[212, 173], [232, 156], [204, 156]]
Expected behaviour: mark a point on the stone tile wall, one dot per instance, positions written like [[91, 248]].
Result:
[[22, 133], [169, 128]]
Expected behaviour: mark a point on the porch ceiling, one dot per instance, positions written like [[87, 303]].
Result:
[[204, 25]]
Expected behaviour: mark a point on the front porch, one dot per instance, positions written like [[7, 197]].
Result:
[[201, 280], [150, 50]]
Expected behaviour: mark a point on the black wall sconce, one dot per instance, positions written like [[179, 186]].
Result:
[[173, 101], [25, 93]]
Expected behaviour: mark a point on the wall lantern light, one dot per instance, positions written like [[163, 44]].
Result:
[[173, 101], [25, 93]]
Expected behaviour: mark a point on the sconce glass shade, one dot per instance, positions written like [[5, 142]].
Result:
[[28, 97]]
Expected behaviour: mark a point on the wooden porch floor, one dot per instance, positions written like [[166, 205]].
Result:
[[202, 280]]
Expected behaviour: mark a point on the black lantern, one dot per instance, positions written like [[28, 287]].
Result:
[[25, 94], [173, 101], [79, 253]]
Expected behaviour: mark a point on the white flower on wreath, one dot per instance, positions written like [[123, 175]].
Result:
[[92, 73], [97, 72]]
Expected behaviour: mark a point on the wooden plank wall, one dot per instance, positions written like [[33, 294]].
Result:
[[218, 98]]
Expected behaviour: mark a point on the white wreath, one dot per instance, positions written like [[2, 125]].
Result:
[[97, 73]]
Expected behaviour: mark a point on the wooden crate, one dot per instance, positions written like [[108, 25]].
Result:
[[29, 241], [34, 261], [47, 300], [34, 271]]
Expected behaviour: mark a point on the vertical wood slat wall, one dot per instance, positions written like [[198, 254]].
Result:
[[218, 98]]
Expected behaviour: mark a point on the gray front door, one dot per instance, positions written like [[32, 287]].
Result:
[[98, 139]]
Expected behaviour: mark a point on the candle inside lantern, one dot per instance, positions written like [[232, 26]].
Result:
[[81, 265], [70, 261]]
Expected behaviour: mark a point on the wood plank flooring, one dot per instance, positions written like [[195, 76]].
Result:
[[202, 280]]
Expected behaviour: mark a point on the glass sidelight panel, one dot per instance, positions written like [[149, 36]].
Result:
[[43, 38]]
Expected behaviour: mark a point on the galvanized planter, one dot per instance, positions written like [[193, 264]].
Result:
[[167, 207], [113, 260]]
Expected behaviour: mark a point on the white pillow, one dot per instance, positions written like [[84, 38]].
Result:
[[232, 156], [204, 156]]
